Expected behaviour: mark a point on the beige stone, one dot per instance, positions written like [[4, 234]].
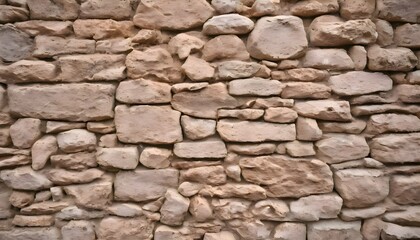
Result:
[[229, 190], [45, 207], [307, 129], [195, 128], [310, 8], [75, 213], [242, 114], [290, 231], [356, 126], [225, 47], [234, 69], [398, 10], [394, 231], [25, 131], [102, 29], [408, 93], [255, 87], [211, 148], [358, 82], [271, 172], [74, 161], [184, 44], [59, 126], [13, 14], [359, 56], [252, 149], [205, 102], [75, 230], [280, 115], [396, 148], [384, 123], [306, 90], [213, 175], [348, 214], [177, 15], [76, 140], [316, 207], [250, 131], [197, 69], [42, 150], [391, 59], [39, 27], [300, 74], [252, 229], [21, 48], [409, 216], [153, 157], [151, 92], [385, 33], [121, 158], [271, 209], [188, 87], [143, 185], [14, 160], [21, 199], [174, 209], [50, 46], [188, 189], [41, 233], [407, 35], [200, 209], [111, 228], [114, 46], [129, 130], [324, 110], [336, 148], [228, 24], [26, 71], [24, 178], [277, 38], [228, 209], [405, 189], [96, 195], [154, 63], [300, 149], [33, 221], [59, 10], [103, 127], [334, 229], [225, 235], [115, 9], [328, 59], [357, 9], [264, 103]]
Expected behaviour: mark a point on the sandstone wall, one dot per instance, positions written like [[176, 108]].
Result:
[[214, 120]]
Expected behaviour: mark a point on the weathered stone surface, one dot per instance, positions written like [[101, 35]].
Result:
[[174, 209], [76, 140], [300, 74], [264, 103], [408, 35], [324, 110], [74, 161], [103, 127], [14, 160], [14, 44], [211, 148], [88, 101], [348, 214], [188, 87], [205, 102], [307, 90], [31, 233], [384, 123], [358, 83], [25, 131], [39, 27], [58, 10], [133, 228], [271, 209], [252, 149], [255, 87], [289, 231], [405, 189], [398, 11], [391, 59], [21, 199], [307, 129], [151, 92], [396, 148], [115, 9], [64, 177], [359, 56], [24, 178], [225, 235], [129, 130], [252, 229], [184, 44], [354, 127], [33, 221], [59, 126], [96, 195], [272, 172], [228, 209], [335, 148], [213, 175], [334, 229], [249, 131], [42, 150], [197, 69], [50, 46], [408, 93], [75, 230], [125, 210], [300, 149], [13, 14], [394, 231], [225, 47], [25, 71], [114, 45], [276, 38], [195, 128], [153, 157], [409, 216], [243, 114], [122, 158], [154, 63], [385, 33], [75, 213], [229, 190], [143, 185], [176, 15], [45, 207], [357, 9], [280, 115], [315, 207], [228, 24], [310, 8], [103, 29], [361, 187], [228, 70], [328, 59]]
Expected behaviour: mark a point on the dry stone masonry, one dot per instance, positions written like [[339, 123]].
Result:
[[209, 119]]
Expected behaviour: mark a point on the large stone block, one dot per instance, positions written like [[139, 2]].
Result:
[[396, 148]]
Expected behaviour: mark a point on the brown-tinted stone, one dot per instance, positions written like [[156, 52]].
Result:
[[396, 148], [358, 83], [26, 71], [398, 10], [225, 47], [211, 148], [115, 9], [22, 44], [57, 10], [39, 27], [382, 123], [328, 59], [306, 90], [151, 92], [213, 175], [335, 148], [405, 189], [111, 228], [229, 190], [391, 59], [228, 24], [103, 29], [74, 161], [310, 8], [96, 195], [50, 46], [357, 9], [10, 14], [334, 229], [324, 110]]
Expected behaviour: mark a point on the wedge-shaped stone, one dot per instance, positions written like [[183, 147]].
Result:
[[102, 29], [50, 46], [64, 177], [383, 123], [25, 178], [334, 229], [22, 44], [205, 102], [11, 14], [95, 67], [143, 91], [405, 189], [358, 83], [115, 9], [158, 125], [111, 228], [225, 47], [238, 190], [212, 148], [255, 87], [174, 209], [173, 15], [391, 59], [143, 185], [57, 10], [328, 59], [249, 131], [228, 24], [361, 188], [324, 110], [39, 27], [315, 207], [45, 207], [287, 177], [396, 148], [26, 71], [335, 148], [398, 10], [276, 38], [120, 158]]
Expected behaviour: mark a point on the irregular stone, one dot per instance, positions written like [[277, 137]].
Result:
[[152, 92], [354, 127], [89, 101], [391, 59], [75, 230], [225, 235], [385, 108], [188, 87], [25, 131], [289, 231], [316, 207], [188, 189], [42, 196], [357, 9], [228, 24], [197, 69], [212, 148], [358, 83], [26, 71], [225, 47], [143, 185], [307, 129], [385, 33], [396, 148], [74, 161], [184, 44], [213, 175], [51, 233], [407, 35], [276, 38], [359, 56], [306, 90], [195, 128], [174, 209], [153, 157], [272, 209], [280, 115], [229, 190], [21, 47], [255, 87], [334, 229], [413, 77], [50, 46], [101, 127], [271, 172], [348, 214], [120, 9], [248, 131], [361, 187], [96, 195], [408, 93], [58, 10], [398, 11], [115, 45], [226, 6], [383, 123], [311, 8], [39, 27], [331, 31], [64, 177], [324, 110], [410, 216], [177, 15], [95, 67], [15, 160], [265, 103], [205, 102], [234, 69], [336, 148], [242, 114], [228, 209], [125, 210], [21, 199], [164, 232], [33, 221], [252, 229], [57, 126], [121, 158], [328, 59], [110, 228], [154, 63], [300, 149], [11, 14], [405, 189], [24, 178], [76, 140], [300, 74], [42, 150], [394, 231], [200, 209], [75, 213], [102, 29], [45, 207], [5, 137]]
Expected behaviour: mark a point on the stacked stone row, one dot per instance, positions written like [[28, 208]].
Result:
[[222, 119]]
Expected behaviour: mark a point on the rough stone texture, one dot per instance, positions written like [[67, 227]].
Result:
[[335, 148], [57, 10], [398, 11], [407, 35], [324, 110], [50, 46], [255, 87], [328, 59], [151, 92], [310, 8], [25, 71], [119, 9], [121, 158], [334, 229], [102, 29], [228, 24], [396, 148], [313, 208], [197, 69], [405, 189], [174, 209], [25, 178], [42, 150], [134, 228], [212, 148], [225, 47], [25, 131], [153, 157], [76, 140], [391, 59], [358, 83]]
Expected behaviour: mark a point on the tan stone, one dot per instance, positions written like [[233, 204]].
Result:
[[359, 56], [121, 158], [358, 82], [103, 127], [39, 27], [228, 70], [289, 231], [75, 213], [408, 93], [348, 214], [33, 221], [76, 140], [225, 235], [252, 229], [129, 130], [26, 71], [391, 59], [229, 190], [188, 87], [228, 24], [225, 47], [176, 15], [228, 209], [143, 185], [41, 233], [306, 90], [11, 14], [255, 87], [197, 69], [205, 102], [75, 230], [357, 9], [300, 74], [151, 92], [45, 207], [212, 175], [280, 115], [50, 46], [249, 131], [195, 128], [184, 44], [58, 10], [96, 195], [409, 216], [385, 33], [271, 209], [25, 131], [356, 126], [102, 29], [407, 35], [398, 10], [405, 189], [307, 129], [242, 114], [154, 63], [252, 149], [74, 161], [188, 189], [200, 209], [328, 59], [115, 9], [111, 228], [14, 160], [310, 8], [336, 148], [383, 123], [265, 103], [271, 172], [115, 45], [300, 149], [396, 148], [21, 199], [174, 209], [153, 157], [394, 231], [59, 126], [334, 229], [276, 38], [211, 148], [316, 207], [22, 44], [5, 136], [24, 178], [324, 110], [42, 150]]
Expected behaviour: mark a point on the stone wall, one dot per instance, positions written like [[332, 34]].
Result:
[[214, 120]]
